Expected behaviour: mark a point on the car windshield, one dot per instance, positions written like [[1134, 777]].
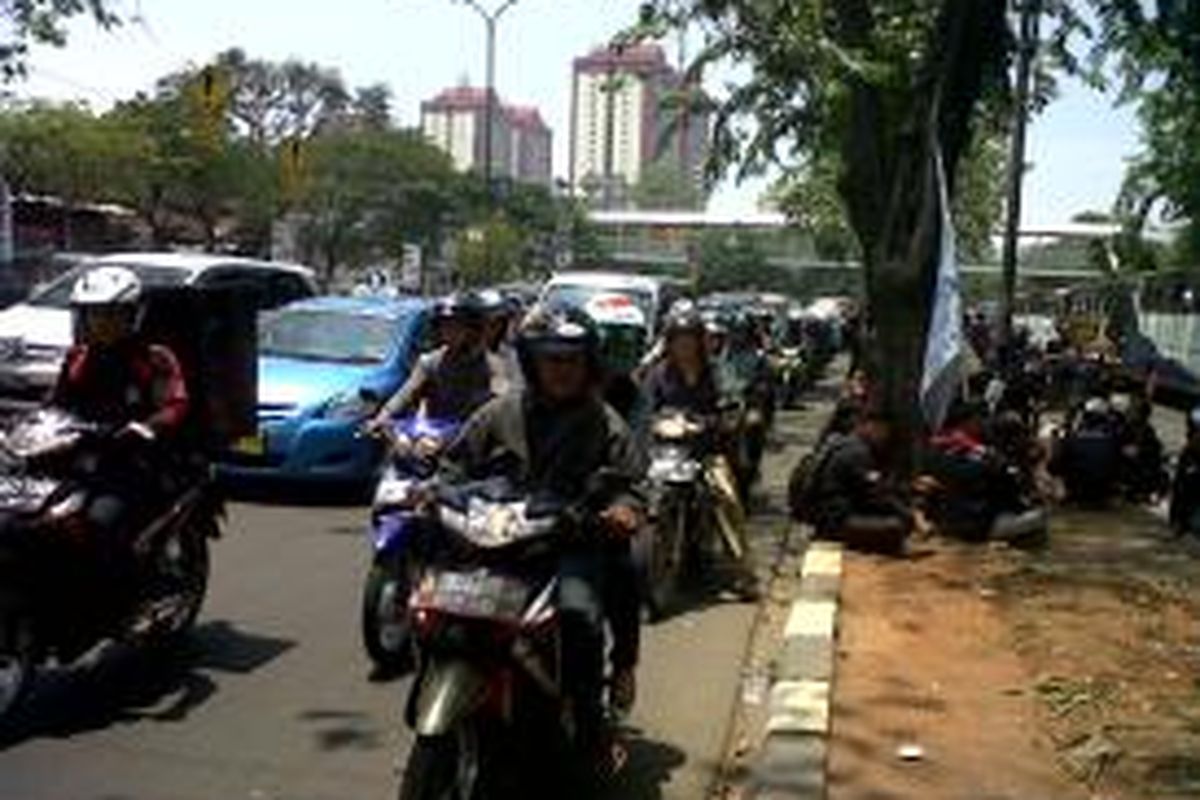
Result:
[[58, 293], [327, 336], [567, 295]]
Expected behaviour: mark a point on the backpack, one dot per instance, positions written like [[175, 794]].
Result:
[[805, 478]]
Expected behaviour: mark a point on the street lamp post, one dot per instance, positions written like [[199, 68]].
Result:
[[1030, 16], [490, 18]]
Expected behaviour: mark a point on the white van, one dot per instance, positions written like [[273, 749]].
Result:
[[653, 295]]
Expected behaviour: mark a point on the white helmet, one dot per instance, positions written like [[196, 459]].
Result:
[[105, 286]]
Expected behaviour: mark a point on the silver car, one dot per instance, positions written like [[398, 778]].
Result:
[[35, 334]]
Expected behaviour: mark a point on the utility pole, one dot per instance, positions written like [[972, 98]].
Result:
[[1030, 18], [490, 18]]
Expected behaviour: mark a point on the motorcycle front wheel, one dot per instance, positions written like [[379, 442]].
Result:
[[452, 766], [16, 663], [657, 557], [184, 563], [386, 633]]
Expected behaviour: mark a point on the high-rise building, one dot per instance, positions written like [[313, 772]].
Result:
[[532, 145], [626, 114], [521, 141]]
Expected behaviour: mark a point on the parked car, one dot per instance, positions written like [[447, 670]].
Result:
[[35, 334], [653, 296], [324, 365]]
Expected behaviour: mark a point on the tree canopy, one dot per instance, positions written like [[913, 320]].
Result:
[[874, 97], [33, 22]]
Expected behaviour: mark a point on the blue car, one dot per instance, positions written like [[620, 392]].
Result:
[[324, 365]]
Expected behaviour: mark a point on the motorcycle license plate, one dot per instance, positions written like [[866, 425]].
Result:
[[476, 594], [255, 445]]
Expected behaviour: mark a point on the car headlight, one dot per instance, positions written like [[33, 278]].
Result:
[[347, 406]]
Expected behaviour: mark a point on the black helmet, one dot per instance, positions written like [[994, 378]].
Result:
[[684, 322], [554, 332], [493, 302], [465, 306]]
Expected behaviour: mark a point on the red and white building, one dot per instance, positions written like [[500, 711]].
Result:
[[522, 143], [631, 85]]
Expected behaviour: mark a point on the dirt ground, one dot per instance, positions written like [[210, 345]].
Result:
[[925, 661], [1070, 672]]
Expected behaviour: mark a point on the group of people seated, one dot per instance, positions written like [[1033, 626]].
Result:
[[989, 470]]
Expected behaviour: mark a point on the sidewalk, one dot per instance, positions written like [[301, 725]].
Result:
[[985, 673]]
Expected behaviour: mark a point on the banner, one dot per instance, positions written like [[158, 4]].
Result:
[[945, 346]]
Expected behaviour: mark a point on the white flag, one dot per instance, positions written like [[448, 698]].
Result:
[[945, 345]]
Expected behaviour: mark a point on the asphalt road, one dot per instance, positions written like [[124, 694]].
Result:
[[273, 698]]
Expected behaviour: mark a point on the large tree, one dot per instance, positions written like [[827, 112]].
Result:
[[365, 194], [873, 94], [1159, 66]]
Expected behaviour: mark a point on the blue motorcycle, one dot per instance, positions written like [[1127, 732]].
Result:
[[414, 445]]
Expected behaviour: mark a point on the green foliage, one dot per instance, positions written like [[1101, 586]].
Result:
[[217, 154], [665, 186], [493, 252], [731, 262], [33, 22], [366, 193]]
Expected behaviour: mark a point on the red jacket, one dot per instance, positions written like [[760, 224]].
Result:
[[133, 383]]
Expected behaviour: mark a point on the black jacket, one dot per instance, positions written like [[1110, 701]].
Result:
[[551, 448]]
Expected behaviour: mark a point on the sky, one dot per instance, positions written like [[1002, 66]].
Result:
[[1078, 148]]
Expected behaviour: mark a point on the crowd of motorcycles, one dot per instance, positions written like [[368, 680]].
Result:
[[474, 618]]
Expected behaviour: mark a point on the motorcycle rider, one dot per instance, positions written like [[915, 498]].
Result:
[[458, 377], [502, 315], [685, 381], [557, 434], [114, 378]]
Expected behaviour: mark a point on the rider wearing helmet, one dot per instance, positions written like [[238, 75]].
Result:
[[457, 377], [558, 435], [111, 375], [501, 313], [685, 381]]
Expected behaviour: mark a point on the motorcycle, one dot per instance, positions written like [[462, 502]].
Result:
[[57, 599], [672, 548], [487, 704], [791, 374], [414, 444]]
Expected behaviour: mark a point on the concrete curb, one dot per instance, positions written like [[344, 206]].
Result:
[[791, 760]]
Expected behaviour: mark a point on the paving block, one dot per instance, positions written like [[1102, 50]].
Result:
[[791, 767], [799, 707], [811, 618]]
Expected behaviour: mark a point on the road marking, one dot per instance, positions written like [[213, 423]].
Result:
[[822, 558], [811, 618], [799, 707]]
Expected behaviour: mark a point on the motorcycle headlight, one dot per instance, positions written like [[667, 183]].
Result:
[[396, 493], [347, 406], [69, 506]]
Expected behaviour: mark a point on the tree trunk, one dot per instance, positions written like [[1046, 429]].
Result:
[[891, 193]]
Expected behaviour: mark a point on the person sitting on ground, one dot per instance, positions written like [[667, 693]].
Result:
[[1185, 486], [975, 482], [1087, 459], [1142, 454], [852, 498]]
